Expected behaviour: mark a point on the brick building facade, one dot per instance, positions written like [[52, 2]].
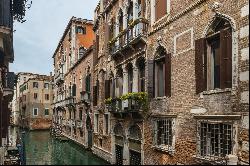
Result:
[[34, 103], [170, 82], [73, 65]]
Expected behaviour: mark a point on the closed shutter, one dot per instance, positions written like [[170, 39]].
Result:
[[107, 89], [160, 8], [74, 90], [200, 65], [143, 8], [226, 59], [168, 75], [95, 95], [151, 79]]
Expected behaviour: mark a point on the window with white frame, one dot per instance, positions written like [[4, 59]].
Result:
[[214, 139], [46, 85], [96, 121], [163, 133], [35, 112]]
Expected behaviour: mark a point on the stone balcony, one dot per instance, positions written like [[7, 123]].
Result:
[[59, 78]]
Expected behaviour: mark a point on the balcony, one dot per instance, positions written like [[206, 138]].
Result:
[[129, 103], [85, 97], [70, 102], [129, 37], [59, 78]]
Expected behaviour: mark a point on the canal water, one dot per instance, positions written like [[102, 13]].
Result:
[[42, 149]]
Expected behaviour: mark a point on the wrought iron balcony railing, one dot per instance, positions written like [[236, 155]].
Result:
[[59, 77], [135, 31]]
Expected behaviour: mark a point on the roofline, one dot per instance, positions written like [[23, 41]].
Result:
[[73, 19]]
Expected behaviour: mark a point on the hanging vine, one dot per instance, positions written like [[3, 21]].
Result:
[[19, 8]]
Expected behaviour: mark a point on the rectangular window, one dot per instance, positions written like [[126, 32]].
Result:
[[96, 123], [160, 9], [80, 114], [35, 112], [46, 113], [215, 139], [106, 120], [46, 85], [46, 96], [24, 97], [163, 133], [35, 96], [35, 84]]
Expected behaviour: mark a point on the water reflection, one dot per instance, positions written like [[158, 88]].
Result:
[[41, 149]]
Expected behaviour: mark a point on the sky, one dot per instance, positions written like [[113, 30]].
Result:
[[36, 39]]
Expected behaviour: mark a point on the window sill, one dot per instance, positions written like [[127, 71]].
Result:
[[161, 98], [211, 160], [166, 149], [216, 91]]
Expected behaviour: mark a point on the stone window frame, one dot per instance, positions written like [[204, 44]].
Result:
[[46, 85], [34, 111], [225, 119], [35, 85], [191, 30], [235, 57], [47, 97], [169, 149], [105, 123], [153, 14], [96, 122]]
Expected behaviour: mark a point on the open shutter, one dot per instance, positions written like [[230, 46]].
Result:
[[226, 59], [95, 95], [168, 75], [200, 65], [107, 89], [151, 79], [160, 8]]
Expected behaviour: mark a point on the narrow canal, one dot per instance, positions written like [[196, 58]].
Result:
[[42, 149]]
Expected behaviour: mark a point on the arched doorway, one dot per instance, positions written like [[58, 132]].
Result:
[[119, 143], [134, 138], [89, 132]]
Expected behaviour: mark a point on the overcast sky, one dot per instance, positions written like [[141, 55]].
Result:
[[36, 39]]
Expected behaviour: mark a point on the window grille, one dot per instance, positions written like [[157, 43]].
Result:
[[215, 140]]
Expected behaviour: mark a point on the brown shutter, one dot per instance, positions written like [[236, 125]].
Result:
[[200, 65], [151, 79], [226, 59], [107, 89], [160, 9], [168, 75], [143, 8], [95, 95]]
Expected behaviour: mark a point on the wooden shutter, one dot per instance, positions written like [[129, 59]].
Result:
[[151, 79], [160, 8], [106, 35], [143, 8], [107, 89], [226, 59], [95, 95], [200, 65], [168, 75]]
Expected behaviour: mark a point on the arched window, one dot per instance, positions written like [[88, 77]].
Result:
[[130, 13], [130, 77], [82, 51], [141, 82], [118, 130], [135, 132], [213, 60], [81, 30], [162, 73]]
